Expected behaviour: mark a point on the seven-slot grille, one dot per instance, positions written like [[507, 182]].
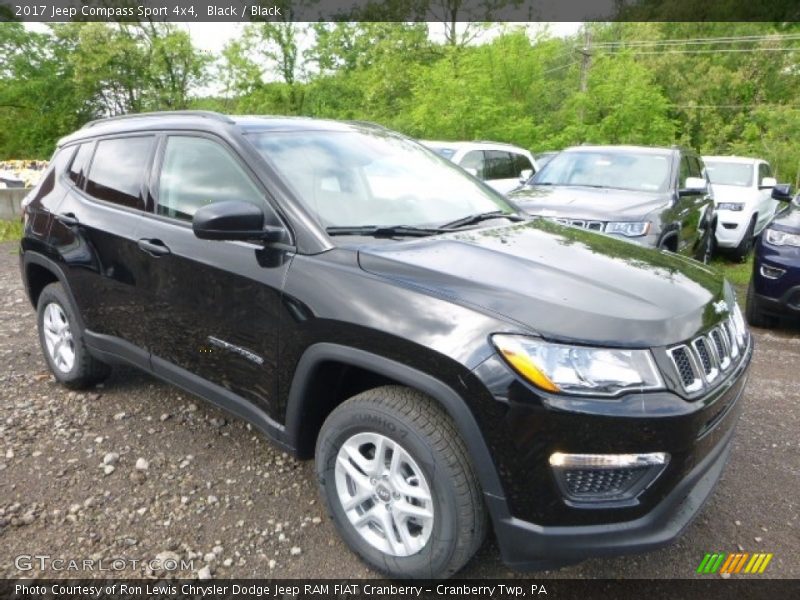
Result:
[[582, 223], [700, 362]]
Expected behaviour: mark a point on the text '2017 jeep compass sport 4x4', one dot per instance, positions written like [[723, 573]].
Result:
[[448, 362]]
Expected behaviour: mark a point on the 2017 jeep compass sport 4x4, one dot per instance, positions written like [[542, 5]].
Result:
[[448, 362]]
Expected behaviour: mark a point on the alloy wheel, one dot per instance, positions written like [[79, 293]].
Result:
[[58, 337]]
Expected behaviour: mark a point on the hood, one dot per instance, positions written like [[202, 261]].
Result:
[[560, 282], [732, 193], [788, 220], [601, 204]]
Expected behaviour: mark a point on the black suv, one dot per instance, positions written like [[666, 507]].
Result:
[[657, 197], [448, 362]]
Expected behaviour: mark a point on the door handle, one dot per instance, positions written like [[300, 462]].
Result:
[[69, 219], [154, 247]]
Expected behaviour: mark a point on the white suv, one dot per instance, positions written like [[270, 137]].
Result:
[[742, 189], [502, 166]]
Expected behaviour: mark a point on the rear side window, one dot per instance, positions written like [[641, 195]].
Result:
[[499, 165], [77, 170], [198, 171], [118, 170]]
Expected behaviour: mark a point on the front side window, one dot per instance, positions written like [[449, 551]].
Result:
[[118, 170], [625, 170], [521, 163], [360, 178], [764, 170], [198, 171], [475, 162], [730, 173]]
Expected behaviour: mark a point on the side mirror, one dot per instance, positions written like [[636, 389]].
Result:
[[694, 185], [782, 192], [524, 175], [233, 220], [767, 183]]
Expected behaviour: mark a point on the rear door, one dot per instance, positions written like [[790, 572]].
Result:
[[213, 306], [94, 232]]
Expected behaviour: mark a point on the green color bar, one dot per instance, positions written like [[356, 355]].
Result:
[[701, 568]]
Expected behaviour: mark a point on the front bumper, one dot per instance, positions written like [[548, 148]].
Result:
[[698, 440], [731, 227]]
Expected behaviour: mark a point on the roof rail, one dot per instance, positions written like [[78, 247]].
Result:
[[206, 114], [493, 142]]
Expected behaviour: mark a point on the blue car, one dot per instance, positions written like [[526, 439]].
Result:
[[774, 289]]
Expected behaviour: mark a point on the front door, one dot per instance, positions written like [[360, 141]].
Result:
[[213, 305]]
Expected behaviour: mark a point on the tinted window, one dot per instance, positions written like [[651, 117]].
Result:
[[118, 169], [521, 163], [685, 173], [764, 170], [198, 171], [499, 165], [695, 170], [77, 169], [474, 160]]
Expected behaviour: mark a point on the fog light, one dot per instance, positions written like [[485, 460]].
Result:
[[606, 478], [771, 272]]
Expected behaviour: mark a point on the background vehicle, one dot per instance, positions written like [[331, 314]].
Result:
[[543, 158], [445, 360], [8, 180], [774, 288], [656, 197], [501, 166], [742, 192]]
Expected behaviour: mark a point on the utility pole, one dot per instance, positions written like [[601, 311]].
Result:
[[586, 62]]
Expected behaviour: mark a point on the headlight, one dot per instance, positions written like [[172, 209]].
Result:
[[579, 369], [781, 238], [734, 206], [628, 229]]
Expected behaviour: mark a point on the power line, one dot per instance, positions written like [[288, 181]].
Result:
[[702, 41], [710, 51]]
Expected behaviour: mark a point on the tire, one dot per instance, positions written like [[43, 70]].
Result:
[[741, 252], [755, 316], [412, 427], [62, 343]]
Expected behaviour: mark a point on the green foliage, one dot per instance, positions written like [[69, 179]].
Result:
[[10, 231], [639, 83]]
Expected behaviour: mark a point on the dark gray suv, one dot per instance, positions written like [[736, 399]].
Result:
[[658, 197]]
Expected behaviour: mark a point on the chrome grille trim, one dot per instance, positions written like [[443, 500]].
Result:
[[582, 223], [707, 356]]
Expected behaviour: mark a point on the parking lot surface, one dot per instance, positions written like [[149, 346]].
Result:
[[136, 469]]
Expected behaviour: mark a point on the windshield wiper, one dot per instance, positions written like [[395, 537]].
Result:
[[477, 218], [385, 231]]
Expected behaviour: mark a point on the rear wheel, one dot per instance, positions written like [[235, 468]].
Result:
[[742, 251], [399, 485], [753, 312], [62, 342]]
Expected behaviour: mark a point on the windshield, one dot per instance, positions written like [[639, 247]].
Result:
[[638, 171], [730, 173], [363, 178]]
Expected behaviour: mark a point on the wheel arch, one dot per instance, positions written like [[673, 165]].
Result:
[[301, 402], [45, 271]]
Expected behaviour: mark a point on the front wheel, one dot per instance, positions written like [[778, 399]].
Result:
[[399, 485], [742, 251], [753, 312]]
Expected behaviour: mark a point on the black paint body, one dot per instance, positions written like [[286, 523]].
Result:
[[330, 320]]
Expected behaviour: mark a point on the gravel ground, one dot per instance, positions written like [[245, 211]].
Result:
[[137, 469]]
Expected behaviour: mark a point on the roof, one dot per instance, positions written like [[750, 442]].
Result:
[[462, 145], [733, 159], [208, 120], [623, 148]]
